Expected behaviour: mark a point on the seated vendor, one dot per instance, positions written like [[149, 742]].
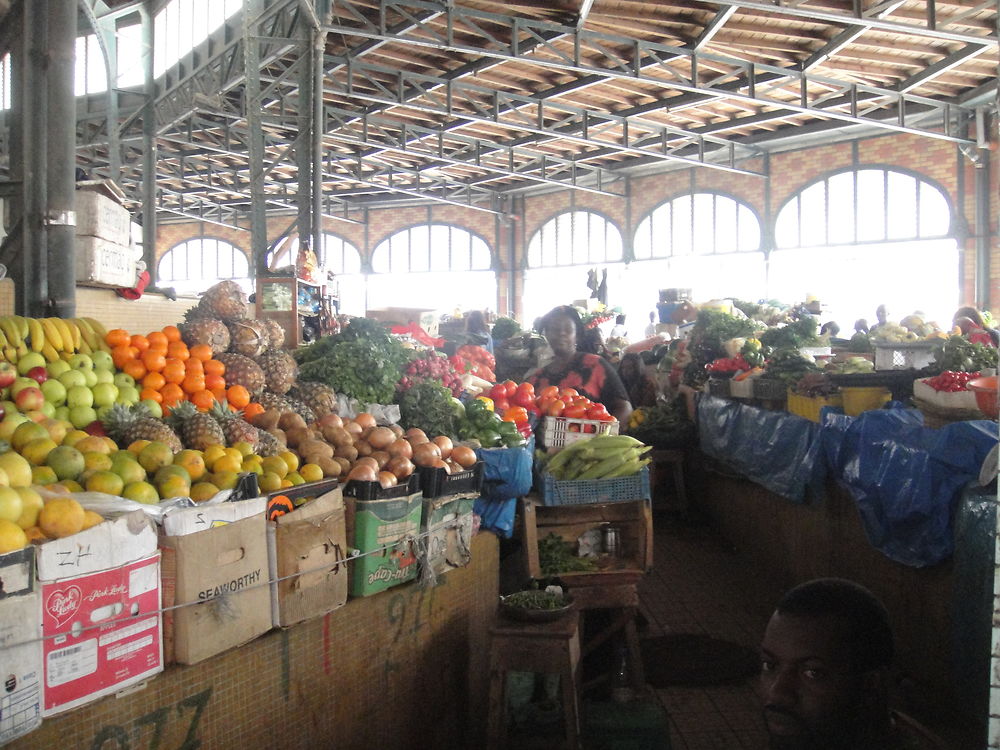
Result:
[[589, 374]]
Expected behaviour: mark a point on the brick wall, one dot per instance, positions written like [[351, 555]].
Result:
[[404, 668]]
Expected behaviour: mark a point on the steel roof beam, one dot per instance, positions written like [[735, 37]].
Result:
[[631, 64], [712, 28]]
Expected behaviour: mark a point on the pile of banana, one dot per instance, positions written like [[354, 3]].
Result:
[[51, 337], [601, 457]]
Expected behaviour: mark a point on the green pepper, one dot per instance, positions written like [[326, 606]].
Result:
[[490, 438], [507, 428], [513, 441]]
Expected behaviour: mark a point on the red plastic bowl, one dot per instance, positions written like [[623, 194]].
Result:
[[986, 394]]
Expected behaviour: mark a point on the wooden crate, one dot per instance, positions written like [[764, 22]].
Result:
[[634, 520]]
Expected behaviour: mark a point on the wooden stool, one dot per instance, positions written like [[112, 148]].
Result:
[[675, 458], [550, 647], [615, 591]]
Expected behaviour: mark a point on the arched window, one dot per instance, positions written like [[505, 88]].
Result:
[[181, 25], [560, 255], [707, 242], [432, 265], [863, 237], [336, 256], [195, 265]]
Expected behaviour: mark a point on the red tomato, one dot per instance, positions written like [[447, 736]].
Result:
[[526, 388], [515, 414], [499, 391], [569, 392], [542, 404], [575, 411], [523, 398], [510, 386], [597, 411], [501, 405], [549, 391], [555, 408]]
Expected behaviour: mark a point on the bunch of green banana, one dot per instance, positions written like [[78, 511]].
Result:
[[601, 457], [53, 338]]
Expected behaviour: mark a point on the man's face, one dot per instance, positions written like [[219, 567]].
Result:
[[810, 695]]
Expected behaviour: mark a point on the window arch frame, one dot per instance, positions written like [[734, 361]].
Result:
[[201, 238], [553, 218], [919, 177], [386, 242], [292, 247]]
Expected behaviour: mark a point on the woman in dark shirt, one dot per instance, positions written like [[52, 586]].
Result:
[[589, 374]]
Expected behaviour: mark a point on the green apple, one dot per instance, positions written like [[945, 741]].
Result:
[[11, 505], [29, 360], [72, 378], [5, 393], [49, 409], [102, 411], [128, 394], [57, 368], [102, 361], [154, 408], [81, 416], [20, 384], [81, 362], [89, 378], [11, 422], [79, 395], [104, 394], [62, 412], [123, 379], [9, 407], [55, 392], [104, 376]]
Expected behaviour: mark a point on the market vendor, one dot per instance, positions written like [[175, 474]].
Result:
[[477, 331], [970, 321], [589, 374]]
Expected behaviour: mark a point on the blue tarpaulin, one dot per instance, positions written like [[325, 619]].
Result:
[[506, 477]]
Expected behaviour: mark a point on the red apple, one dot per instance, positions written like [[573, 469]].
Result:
[[7, 373], [95, 428], [38, 374], [29, 399]]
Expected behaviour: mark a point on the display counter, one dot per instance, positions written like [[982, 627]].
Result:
[[406, 667]]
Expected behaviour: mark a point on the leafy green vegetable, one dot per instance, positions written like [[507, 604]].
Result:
[[959, 354], [556, 556], [711, 330], [801, 332], [428, 406], [535, 600], [788, 366], [504, 328], [665, 425]]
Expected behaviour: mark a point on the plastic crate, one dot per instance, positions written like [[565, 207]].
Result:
[[811, 407], [913, 356], [558, 432], [719, 387], [587, 491], [859, 400], [438, 482], [770, 390], [374, 491]]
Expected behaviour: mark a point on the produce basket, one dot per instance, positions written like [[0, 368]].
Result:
[[587, 491], [558, 432], [374, 491], [767, 389], [914, 356], [719, 387], [858, 400], [741, 388], [810, 407], [937, 416], [900, 382], [438, 482]]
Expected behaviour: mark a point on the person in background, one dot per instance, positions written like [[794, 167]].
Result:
[[825, 661], [640, 388], [619, 331], [477, 331], [830, 328], [570, 367], [881, 315], [972, 325], [666, 306], [651, 328]]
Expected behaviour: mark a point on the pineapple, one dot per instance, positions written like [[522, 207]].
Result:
[[270, 400], [234, 426], [249, 337], [243, 371], [319, 397], [275, 333], [197, 429], [225, 301], [125, 425], [280, 370], [268, 444], [197, 329]]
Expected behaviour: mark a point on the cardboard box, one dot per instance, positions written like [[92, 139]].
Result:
[[100, 213], [447, 521], [181, 521], [20, 645], [101, 620], [306, 548], [100, 262], [425, 318], [221, 572], [384, 528]]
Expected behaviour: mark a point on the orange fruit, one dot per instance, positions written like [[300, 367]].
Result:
[[214, 382], [202, 352], [203, 399], [157, 349], [178, 350], [213, 367], [117, 337], [194, 365], [152, 393], [154, 380], [61, 516], [140, 342], [173, 333], [157, 338], [193, 383], [122, 354], [135, 368], [219, 393], [251, 410], [154, 361], [173, 371], [238, 396], [172, 394]]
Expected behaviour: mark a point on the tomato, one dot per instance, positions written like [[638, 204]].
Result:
[[526, 388], [523, 398], [569, 392], [575, 411], [499, 391], [555, 408], [501, 405], [597, 411], [542, 404], [549, 392], [510, 387], [515, 414]]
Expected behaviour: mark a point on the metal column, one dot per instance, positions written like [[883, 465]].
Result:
[[148, 144], [255, 146], [32, 289], [60, 168], [982, 198]]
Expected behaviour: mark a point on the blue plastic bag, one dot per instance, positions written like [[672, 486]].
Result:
[[497, 515], [507, 471]]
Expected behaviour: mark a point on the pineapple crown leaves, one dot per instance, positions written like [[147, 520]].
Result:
[[223, 412], [180, 413]]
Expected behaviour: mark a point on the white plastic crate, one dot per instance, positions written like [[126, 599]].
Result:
[[904, 356], [561, 431]]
